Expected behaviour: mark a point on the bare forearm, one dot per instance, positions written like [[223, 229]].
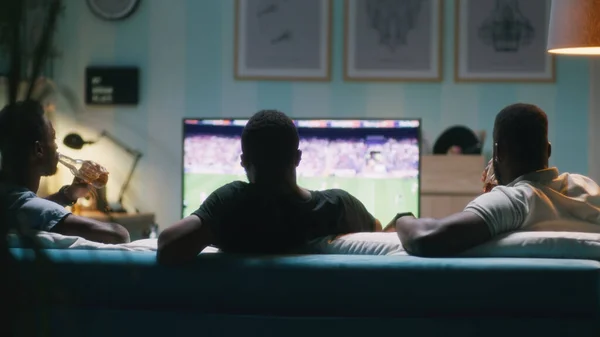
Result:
[[59, 198], [108, 233], [112, 233], [442, 237], [92, 230], [378, 227], [178, 251], [183, 241], [413, 233], [68, 194]]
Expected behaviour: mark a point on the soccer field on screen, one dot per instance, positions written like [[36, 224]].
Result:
[[384, 198]]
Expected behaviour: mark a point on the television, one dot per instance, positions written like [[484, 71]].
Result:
[[377, 161]]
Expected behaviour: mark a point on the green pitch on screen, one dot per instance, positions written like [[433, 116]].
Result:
[[384, 198]]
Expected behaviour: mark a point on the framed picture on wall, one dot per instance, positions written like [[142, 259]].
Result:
[[503, 40], [393, 40], [283, 40]]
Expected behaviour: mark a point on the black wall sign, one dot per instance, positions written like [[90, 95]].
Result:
[[112, 85]]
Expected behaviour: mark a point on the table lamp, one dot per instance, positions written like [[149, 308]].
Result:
[[76, 142], [574, 27]]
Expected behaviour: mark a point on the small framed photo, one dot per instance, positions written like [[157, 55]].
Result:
[[503, 41], [393, 40], [283, 40]]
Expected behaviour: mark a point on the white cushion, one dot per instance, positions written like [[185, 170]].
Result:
[[547, 240], [559, 239], [358, 244], [530, 244], [49, 240], [552, 245]]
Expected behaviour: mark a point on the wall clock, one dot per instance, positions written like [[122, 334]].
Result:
[[113, 9]]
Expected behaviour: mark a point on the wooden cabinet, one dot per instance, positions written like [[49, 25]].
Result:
[[449, 183]]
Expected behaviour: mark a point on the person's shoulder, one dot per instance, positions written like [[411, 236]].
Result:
[[521, 188], [578, 179], [11, 192], [521, 193], [238, 184], [16, 200], [333, 194], [24, 206], [228, 195], [232, 187]]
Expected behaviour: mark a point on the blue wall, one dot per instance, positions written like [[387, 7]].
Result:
[[185, 51]]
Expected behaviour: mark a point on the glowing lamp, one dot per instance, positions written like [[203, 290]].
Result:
[[574, 27]]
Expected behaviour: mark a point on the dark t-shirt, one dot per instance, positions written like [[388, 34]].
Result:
[[243, 218]]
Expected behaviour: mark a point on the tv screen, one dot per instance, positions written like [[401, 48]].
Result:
[[378, 161]]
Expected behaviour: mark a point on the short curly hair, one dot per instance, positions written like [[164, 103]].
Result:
[[21, 125], [522, 129], [270, 140]]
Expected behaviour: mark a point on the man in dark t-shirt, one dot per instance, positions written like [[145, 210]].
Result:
[[270, 214], [242, 218]]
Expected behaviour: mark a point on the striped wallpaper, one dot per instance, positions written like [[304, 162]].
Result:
[[185, 51]]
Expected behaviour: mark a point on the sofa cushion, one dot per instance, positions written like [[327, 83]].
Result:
[[568, 245], [49, 240], [554, 245], [358, 244], [530, 244]]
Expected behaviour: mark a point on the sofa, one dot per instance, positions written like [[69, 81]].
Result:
[[126, 293]]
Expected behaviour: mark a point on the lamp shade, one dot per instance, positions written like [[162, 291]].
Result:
[[574, 27]]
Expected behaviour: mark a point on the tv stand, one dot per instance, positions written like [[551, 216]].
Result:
[[449, 183]]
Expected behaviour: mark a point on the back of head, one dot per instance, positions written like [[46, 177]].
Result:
[[21, 125], [270, 141], [521, 132]]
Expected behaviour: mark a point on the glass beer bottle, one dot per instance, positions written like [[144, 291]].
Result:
[[85, 170]]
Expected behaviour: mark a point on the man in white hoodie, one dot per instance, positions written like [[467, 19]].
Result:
[[528, 192]]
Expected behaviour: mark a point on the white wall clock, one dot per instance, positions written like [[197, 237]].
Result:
[[113, 9]]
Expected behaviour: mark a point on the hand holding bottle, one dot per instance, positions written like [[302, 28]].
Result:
[[85, 170], [488, 177], [78, 189]]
